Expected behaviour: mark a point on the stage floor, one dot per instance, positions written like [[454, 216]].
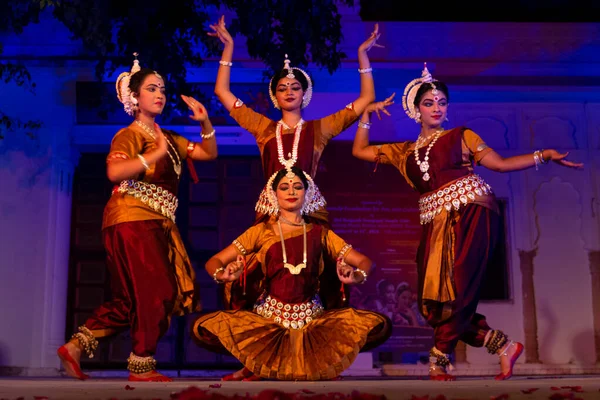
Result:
[[465, 388]]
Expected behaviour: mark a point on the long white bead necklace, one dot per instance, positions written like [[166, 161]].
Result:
[[424, 165], [152, 133], [293, 156]]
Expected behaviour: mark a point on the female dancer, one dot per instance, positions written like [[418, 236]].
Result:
[[459, 215], [152, 277], [290, 335]]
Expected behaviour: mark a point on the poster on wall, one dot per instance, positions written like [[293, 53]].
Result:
[[372, 208]]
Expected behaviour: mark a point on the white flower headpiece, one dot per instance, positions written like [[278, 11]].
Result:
[[410, 91], [267, 201], [309, 90], [122, 86]]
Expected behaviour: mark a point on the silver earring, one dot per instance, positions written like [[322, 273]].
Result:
[[447, 120]]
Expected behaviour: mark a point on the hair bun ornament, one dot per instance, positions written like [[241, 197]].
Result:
[[122, 87], [410, 92]]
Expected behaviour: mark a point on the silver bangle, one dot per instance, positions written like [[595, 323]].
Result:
[[208, 135], [366, 125], [363, 273], [365, 70], [226, 63], [220, 269], [144, 162]]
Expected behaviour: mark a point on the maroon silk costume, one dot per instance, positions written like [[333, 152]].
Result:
[[457, 244], [152, 277], [324, 345]]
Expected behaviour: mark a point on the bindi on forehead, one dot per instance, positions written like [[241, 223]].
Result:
[[437, 98], [288, 83], [154, 79]]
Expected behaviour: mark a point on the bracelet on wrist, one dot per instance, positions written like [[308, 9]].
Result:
[[144, 162], [366, 125], [220, 269], [226, 63], [207, 135], [363, 273]]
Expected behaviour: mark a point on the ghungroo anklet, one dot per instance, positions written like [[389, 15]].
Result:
[[496, 341], [87, 341], [140, 365]]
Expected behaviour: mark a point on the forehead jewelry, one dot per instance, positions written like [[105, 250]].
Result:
[[435, 92]]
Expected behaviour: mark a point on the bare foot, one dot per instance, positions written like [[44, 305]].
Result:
[[152, 376], [437, 373], [508, 357], [238, 375], [70, 355]]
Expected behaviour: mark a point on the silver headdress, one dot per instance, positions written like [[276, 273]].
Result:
[[309, 90], [122, 86], [410, 91], [267, 201]]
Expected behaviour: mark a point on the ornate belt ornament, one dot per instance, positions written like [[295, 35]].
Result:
[[290, 316], [458, 193], [157, 198]]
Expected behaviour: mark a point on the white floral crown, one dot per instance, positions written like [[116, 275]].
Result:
[[122, 87], [410, 91], [267, 201]]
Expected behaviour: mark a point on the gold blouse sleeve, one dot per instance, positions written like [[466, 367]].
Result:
[[125, 145], [335, 246], [332, 125], [475, 144], [394, 154], [250, 120], [248, 242]]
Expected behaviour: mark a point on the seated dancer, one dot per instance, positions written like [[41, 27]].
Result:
[[289, 141], [289, 334], [459, 215], [152, 276]]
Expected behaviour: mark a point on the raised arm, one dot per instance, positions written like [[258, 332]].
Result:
[[367, 86], [224, 74], [361, 148]]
